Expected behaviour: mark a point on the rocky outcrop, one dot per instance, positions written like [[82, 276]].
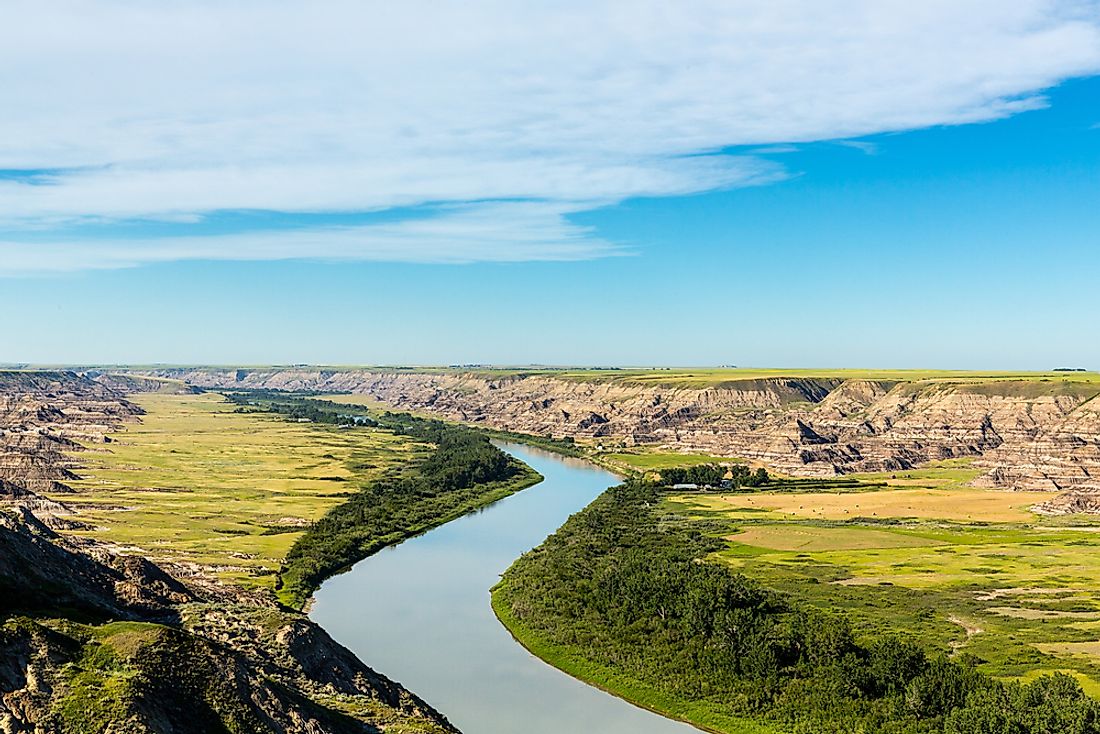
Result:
[[96, 641], [1025, 434], [46, 416], [41, 572], [180, 664]]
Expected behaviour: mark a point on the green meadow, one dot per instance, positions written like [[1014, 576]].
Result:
[[964, 569], [646, 461], [197, 482]]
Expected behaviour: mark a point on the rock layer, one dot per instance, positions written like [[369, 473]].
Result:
[[1024, 434], [93, 640], [191, 664]]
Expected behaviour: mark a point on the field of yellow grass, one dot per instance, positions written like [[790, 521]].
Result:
[[960, 504]]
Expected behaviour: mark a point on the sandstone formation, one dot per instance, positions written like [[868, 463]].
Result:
[[44, 416], [189, 665], [95, 641], [1024, 434]]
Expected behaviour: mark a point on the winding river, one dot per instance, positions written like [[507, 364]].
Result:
[[419, 612]]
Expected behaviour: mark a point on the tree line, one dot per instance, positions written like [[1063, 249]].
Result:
[[715, 475], [462, 472], [621, 585]]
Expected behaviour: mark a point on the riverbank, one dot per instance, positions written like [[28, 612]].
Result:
[[460, 471], [608, 680], [421, 612], [626, 596], [97, 637]]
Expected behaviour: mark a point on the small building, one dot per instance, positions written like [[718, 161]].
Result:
[[685, 486]]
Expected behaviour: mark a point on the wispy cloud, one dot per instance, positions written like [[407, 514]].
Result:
[[171, 110], [863, 146], [483, 232]]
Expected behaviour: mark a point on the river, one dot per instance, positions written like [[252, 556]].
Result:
[[419, 613]]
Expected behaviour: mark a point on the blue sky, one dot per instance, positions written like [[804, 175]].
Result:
[[669, 208]]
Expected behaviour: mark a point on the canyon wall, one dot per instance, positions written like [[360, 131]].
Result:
[[1024, 434], [206, 656]]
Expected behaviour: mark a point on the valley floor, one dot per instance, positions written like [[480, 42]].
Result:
[[199, 482], [742, 613]]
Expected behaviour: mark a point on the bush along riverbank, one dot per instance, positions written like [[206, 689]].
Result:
[[462, 472], [621, 597]]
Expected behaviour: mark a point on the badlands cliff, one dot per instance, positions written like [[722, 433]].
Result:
[[94, 640], [1030, 433]]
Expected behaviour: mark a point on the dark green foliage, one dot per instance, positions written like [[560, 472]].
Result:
[[300, 408], [714, 475], [465, 471], [565, 446], [622, 585]]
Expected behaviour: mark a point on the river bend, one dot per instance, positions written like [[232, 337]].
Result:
[[419, 612]]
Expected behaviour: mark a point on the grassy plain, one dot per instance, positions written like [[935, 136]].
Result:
[[962, 504], [196, 482], [939, 475], [957, 567], [713, 376], [656, 460]]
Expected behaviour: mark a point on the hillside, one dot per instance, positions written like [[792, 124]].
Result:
[[1022, 431], [95, 640]]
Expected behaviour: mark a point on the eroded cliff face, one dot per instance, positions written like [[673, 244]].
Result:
[[1024, 434], [114, 644], [92, 640], [46, 418]]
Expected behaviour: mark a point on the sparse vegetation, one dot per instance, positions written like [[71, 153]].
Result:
[[656, 460], [967, 569]]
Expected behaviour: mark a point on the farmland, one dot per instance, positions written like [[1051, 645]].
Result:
[[702, 377], [712, 377], [687, 377]]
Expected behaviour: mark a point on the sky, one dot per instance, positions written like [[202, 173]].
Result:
[[865, 183]]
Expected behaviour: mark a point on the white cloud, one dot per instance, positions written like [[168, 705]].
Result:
[[487, 232], [175, 110], [863, 146]]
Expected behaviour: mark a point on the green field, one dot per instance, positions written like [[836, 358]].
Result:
[[938, 474], [197, 482], [656, 460], [711, 377], [961, 568]]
